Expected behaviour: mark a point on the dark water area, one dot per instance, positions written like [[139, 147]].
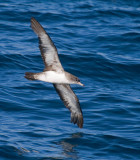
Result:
[[98, 41]]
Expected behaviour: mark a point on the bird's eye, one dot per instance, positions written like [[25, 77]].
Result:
[[78, 80]]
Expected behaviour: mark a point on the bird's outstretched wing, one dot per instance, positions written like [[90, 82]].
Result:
[[71, 102], [47, 48]]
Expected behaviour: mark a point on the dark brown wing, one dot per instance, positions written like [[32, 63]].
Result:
[[71, 102], [47, 48]]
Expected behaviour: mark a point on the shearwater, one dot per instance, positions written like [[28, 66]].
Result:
[[54, 73]]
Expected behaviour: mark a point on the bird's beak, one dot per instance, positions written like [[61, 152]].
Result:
[[81, 84]]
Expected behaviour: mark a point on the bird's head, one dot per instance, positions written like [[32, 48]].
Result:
[[76, 80]]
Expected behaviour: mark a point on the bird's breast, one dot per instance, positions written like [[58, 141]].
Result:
[[53, 77]]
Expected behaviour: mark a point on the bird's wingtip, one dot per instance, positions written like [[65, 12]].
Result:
[[77, 119], [32, 19]]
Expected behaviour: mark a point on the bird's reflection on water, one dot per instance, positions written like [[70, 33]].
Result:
[[69, 145]]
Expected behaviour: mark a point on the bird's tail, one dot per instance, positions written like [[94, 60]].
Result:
[[31, 76]]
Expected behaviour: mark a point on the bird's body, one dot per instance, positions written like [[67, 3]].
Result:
[[54, 73], [50, 76]]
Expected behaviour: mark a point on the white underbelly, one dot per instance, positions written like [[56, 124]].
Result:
[[53, 77]]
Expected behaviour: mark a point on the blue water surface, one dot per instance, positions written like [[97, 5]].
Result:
[[98, 41]]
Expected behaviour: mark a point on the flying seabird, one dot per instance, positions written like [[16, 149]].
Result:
[[54, 73]]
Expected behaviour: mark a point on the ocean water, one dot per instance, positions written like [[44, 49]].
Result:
[[98, 41]]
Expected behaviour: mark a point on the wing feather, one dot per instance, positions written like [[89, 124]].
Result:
[[71, 102], [47, 48]]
